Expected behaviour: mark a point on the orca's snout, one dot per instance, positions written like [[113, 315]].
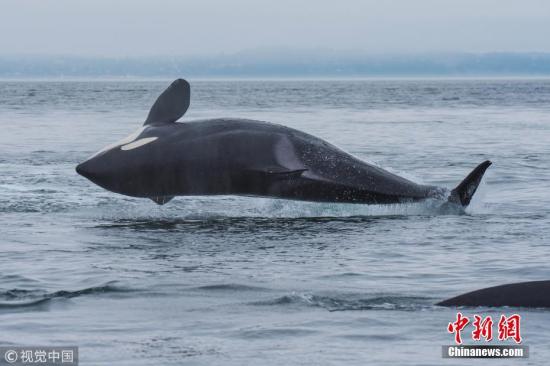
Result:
[[79, 169], [86, 169]]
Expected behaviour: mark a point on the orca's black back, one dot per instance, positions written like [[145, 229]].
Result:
[[535, 294]]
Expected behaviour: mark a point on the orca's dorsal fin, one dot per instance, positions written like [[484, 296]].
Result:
[[171, 105], [161, 200]]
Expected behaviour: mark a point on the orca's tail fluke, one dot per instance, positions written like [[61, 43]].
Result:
[[464, 192]]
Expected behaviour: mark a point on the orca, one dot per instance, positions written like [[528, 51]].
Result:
[[534, 294], [165, 158]]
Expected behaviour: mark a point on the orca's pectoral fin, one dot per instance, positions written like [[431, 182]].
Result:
[[161, 200], [464, 192], [282, 172], [171, 105], [276, 172]]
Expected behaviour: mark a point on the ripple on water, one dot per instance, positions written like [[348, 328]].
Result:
[[22, 298], [344, 302]]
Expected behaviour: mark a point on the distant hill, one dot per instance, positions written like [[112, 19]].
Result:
[[279, 63]]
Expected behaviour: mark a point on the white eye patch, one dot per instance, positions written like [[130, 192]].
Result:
[[124, 141], [138, 143]]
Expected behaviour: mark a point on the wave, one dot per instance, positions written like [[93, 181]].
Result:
[[21, 298], [230, 287], [350, 302]]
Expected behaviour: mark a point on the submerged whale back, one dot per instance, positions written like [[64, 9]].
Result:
[[535, 294]]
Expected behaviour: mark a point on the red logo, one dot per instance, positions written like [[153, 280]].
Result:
[[457, 326], [483, 328], [508, 328]]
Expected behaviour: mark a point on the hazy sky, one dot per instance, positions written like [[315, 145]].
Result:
[[206, 27]]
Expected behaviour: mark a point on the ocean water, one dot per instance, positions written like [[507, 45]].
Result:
[[251, 281]]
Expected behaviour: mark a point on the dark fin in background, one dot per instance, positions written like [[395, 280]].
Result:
[[464, 192], [171, 105], [534, 294], [161, 200]]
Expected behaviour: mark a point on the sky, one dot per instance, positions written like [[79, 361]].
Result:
[[124, 28]]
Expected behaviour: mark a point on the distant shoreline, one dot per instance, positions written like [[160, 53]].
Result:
[[272, 65], [434, 78]]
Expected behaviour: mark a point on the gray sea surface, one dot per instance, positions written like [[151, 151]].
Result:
[[253, 281]]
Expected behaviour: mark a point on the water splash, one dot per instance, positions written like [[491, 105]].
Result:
[[208, 208], [345, 302]]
